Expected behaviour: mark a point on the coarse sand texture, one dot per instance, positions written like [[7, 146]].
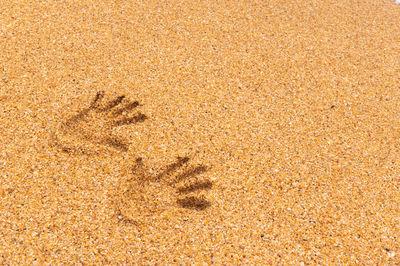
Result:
[[200, 132]]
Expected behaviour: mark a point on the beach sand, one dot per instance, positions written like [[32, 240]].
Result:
[[247, 132]]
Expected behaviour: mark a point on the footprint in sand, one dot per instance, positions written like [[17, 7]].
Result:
[[145, 194], [90, 130]]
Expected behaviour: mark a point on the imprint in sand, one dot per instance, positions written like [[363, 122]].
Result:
[[145, 194], [91, 129]]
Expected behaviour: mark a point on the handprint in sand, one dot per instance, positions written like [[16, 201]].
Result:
[[145, 193], [91, 129]]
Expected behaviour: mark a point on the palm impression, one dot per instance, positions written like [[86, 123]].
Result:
[[91, 129], [178, 184]]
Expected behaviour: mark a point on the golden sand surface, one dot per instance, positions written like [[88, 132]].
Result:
[[188, 132]]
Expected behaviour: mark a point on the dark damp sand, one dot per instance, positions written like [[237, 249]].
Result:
[[264, 132]]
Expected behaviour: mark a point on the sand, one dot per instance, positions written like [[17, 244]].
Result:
[[189, 132]]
